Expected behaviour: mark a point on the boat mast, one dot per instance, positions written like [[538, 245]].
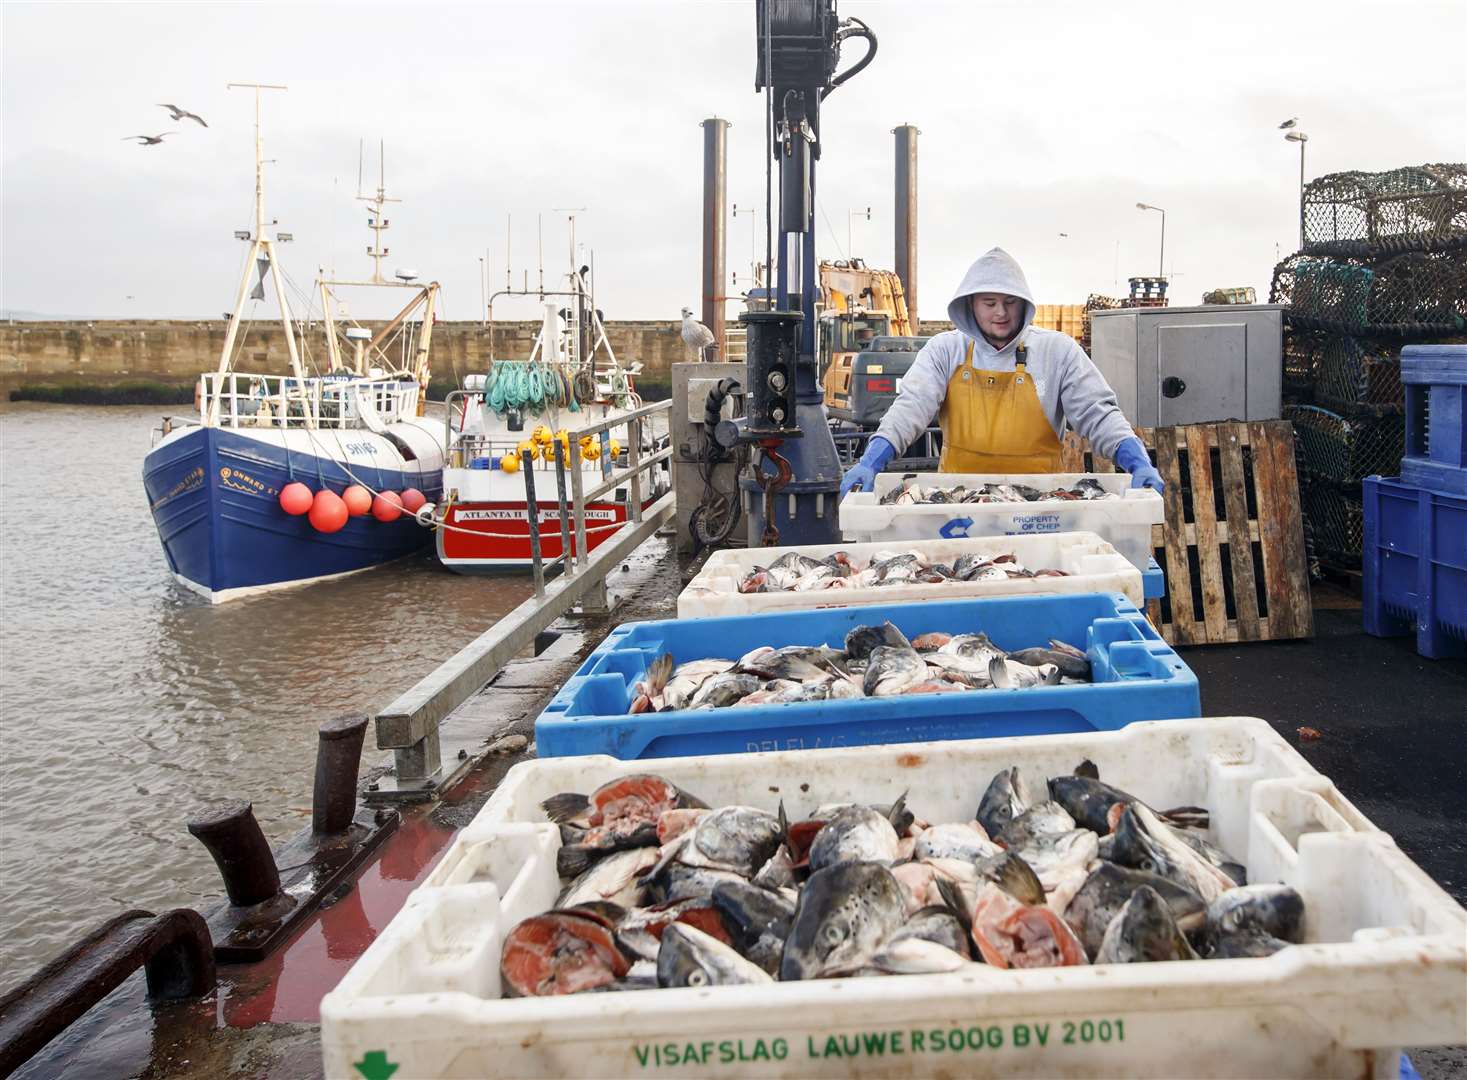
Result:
[[261, 247]]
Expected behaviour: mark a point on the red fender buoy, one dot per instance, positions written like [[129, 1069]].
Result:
[[387, 506], [412, 498], [295, 498], [358, 500], [328, 512]]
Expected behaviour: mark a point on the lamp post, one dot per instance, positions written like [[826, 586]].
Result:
[[1300, 138], [851, 216], [483, 295], [1161, 261]]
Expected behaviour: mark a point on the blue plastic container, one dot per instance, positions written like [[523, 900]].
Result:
[[1136, 677], [1435, 381], [1414, 562]]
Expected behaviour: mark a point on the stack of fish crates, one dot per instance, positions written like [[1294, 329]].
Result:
[[1383, 265], [1415, 526]]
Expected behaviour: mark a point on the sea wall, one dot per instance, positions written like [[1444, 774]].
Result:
[[171, 353]]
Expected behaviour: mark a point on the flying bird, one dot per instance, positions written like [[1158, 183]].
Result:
[[1290, 122], [182, 114], [150, 140], [696, 334]]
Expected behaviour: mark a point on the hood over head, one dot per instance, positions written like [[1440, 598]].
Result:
[[995, 272]]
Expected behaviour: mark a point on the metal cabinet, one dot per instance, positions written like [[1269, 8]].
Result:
[[1192, 365]]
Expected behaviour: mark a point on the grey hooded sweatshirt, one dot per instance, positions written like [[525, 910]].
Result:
[[1069, 386]]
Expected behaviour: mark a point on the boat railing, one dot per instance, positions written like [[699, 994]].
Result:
[[572, 507], [241, 399]]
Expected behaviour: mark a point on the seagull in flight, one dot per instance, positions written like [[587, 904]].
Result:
[[149, 140], [1290, 122], [182, 114], [696, 334]]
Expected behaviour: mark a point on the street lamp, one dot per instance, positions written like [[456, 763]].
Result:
[[851, 215], [1161, 262], [1300, 138]]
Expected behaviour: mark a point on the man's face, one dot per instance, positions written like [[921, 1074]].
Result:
[[999, 316]]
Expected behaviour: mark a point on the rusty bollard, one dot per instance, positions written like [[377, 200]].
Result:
[[338, 754], [240, 849]]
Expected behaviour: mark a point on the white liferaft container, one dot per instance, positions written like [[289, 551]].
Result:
[[1385, 964], [1124, 522], [1090, 565]]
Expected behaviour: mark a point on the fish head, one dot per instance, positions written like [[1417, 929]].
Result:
[[740, 838], [1273, 909], [845, 913], [690, 957], [855, 833], [1144, 930], [1006, 797]]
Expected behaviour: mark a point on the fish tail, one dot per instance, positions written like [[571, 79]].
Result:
[[563, 807], [1088, 769], [573, 861]]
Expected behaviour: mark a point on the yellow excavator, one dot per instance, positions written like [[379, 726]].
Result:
[[862, 311]]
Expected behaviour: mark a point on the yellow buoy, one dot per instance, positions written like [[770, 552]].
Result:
[[542, 435], [615, 448], [590, 450], [509, 463]]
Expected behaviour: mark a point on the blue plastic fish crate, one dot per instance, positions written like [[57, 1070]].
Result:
[[1415, 565], [1136, 677], [1435, 380]]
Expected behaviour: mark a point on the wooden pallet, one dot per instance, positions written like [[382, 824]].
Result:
[[1218, 475]]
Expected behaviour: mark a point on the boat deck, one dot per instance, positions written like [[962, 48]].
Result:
[[1390, 735]]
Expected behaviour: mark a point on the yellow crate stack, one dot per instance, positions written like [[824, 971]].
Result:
[[1066, 318]]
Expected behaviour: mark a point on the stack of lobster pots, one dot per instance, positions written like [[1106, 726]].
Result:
[[1383, 265]]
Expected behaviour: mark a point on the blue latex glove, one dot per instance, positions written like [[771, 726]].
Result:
[[1131, 456], [862, 475]]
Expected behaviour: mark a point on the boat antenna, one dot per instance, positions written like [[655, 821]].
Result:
[[540, 241], [376, 222]]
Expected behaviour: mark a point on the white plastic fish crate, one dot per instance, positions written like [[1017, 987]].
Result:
[[1090, 564], [1384, 964], [1124, 522]]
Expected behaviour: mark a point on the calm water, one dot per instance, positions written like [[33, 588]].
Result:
[[126, 702]]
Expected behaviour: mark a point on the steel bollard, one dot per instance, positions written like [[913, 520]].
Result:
[[338, 756], [240, 850]]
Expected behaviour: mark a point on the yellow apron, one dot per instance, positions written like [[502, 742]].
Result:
[[992, 422]]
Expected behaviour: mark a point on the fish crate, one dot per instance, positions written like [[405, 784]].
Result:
[[1383, 964], [1415, 565], [1124, 522], [1435, 377], [1090, 565], [1345, 450], [1136, 676]]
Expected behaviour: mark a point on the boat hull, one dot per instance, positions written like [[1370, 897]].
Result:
[[214, 495], [494, 536]]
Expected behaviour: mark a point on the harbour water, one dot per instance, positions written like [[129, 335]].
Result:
[[126, 702]]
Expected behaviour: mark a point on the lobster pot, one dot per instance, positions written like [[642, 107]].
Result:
[[1414, 296], [1345, 450], [1371, 214], [1302, 350], [1336, 522], [1359, 375]]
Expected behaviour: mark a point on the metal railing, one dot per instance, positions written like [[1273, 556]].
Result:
[[921, 456], [573, 555], [236, 399]]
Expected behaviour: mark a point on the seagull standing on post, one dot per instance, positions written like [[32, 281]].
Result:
[[182, 114], [696, 334]]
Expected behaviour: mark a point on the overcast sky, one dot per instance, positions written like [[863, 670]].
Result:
[[1037, 119]]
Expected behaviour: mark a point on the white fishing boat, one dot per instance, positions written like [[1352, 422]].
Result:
[[287, 479]]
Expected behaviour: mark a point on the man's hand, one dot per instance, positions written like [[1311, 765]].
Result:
[[1131, 455], [862, 474]]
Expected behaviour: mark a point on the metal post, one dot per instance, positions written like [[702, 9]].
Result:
[[567, 565], [338, 757], [1301, 194], [634, 457], [715, 211], [578, 504], [1161, 262], [240, 850], [906, 215], [532, 514]]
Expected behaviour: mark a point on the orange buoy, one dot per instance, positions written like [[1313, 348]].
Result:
[[412, 498], [328, 512], [387, 506], [295, 498], [358, 500]]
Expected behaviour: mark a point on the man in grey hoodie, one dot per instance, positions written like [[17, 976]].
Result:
[[1003, 390]]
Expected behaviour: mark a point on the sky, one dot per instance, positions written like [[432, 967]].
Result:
[[1042, 125]]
